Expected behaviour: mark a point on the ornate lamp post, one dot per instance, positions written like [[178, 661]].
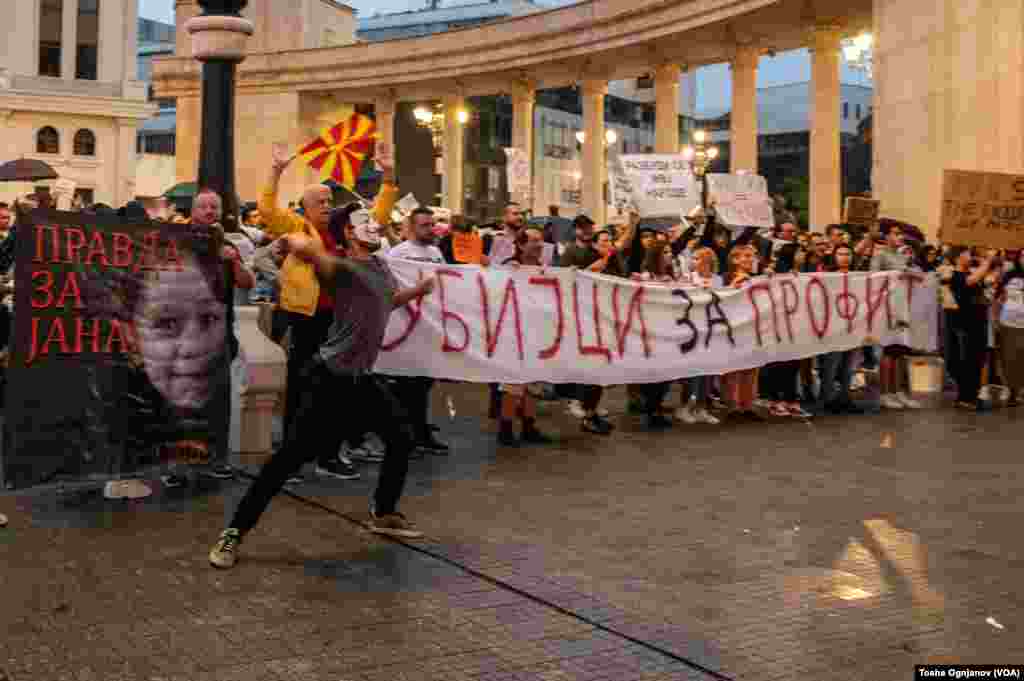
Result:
[[700, 155], [219, 36]]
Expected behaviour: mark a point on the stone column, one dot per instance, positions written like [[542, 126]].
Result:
[[384, 109], [218, 41], [453, 188], [743, 134], [592, 165], [126, 130], [666, 109], [69, 40], [523, 100], [826, 175]]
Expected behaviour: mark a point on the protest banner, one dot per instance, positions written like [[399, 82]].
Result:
[[982, 209], [661, 185], [567, 326], [740, 200], [861, 211], [120, 355]]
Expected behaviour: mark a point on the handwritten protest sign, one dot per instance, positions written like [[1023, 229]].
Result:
[[861, 211], [468, 247], [100, 303], [567, 326], [982, 209], [662, 185], [740, 200], [620, 189]]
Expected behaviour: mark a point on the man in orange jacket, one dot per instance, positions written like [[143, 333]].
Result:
[[310, 308]]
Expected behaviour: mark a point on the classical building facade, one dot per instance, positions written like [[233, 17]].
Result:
[[70, 96], [946, 96]]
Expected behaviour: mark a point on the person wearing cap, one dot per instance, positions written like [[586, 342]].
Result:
[[338, 376], [308, 304]]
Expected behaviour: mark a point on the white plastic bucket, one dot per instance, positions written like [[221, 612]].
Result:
[[927, 374]]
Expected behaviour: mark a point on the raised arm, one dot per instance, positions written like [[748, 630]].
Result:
[[276, 221], [388, 193]]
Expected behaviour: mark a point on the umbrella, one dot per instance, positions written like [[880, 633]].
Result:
[[26, 170]]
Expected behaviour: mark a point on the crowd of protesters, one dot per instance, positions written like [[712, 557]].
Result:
[[279, 257]]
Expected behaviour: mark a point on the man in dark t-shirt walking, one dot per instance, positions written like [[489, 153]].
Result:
[[365, 293]]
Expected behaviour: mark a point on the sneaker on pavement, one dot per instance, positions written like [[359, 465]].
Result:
[[535, 437], [173, 481], [762, 404], [658, 422], [781, 410], [907, 401], [393, 525], [596, 425], [222, 472], [890, 401], [796, 411], [686, 415], [295, 479], [3, 520], [337, 468], [575, 409], [602, 412], [507, 439], [704, 416], [224, 553], [362, 453]]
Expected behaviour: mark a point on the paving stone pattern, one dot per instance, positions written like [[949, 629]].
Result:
[[776, 551]]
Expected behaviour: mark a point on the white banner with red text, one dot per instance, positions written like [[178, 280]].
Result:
[[502, 325]]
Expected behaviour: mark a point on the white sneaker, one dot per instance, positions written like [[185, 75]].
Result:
[[985, 394], [704, 415], [575, 409], [890, 401], [858, 382], [762, 404], [602, 412], [907, 401], [686, 415]]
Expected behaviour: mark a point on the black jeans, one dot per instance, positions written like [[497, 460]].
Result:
[[779, 379], [321, 425], [413, 392], [308, 334], [973, 346], [654, 394]]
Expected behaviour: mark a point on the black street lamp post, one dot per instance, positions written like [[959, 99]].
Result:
[[219, 35]]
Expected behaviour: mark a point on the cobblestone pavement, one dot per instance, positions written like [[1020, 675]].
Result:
[[847, 548]]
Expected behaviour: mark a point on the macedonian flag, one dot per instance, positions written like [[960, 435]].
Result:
[[340, 150]]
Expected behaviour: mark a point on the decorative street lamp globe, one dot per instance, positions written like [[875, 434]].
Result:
[[462, 116]]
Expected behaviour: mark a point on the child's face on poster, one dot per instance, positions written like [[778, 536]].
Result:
[[181, 329]]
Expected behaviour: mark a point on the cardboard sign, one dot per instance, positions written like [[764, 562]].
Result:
[[663, 185], [88, 388], [467, 247], [861, 211], [518, 171], [407, 204], [982, 209], [620, 189], [741, 200]]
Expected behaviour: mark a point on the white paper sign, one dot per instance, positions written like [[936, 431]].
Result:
[[740, 200], [620, 189], [407, 204], [662, 185], [504, 325], [518, 170]]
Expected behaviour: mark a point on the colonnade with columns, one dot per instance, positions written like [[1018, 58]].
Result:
[[825, 170]]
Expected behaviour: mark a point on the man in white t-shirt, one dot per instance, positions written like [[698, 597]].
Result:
[[414, 391]]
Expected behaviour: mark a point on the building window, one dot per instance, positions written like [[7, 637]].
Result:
[[86, 64], [84, 198], [846, 110], [51, 22], [85, 143], [48, 141], [858, 112]]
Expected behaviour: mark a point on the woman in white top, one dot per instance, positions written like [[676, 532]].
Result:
[[694, 408]]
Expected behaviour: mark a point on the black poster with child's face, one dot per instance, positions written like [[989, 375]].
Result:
[[119, 352]]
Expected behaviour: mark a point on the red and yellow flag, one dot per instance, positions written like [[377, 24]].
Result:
[[340, 150]]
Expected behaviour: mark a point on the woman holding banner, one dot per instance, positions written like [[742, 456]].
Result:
[[740, 387]]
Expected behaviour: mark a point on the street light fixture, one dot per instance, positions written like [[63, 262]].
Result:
[[700, 155], [433, 119], [610, 137]]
